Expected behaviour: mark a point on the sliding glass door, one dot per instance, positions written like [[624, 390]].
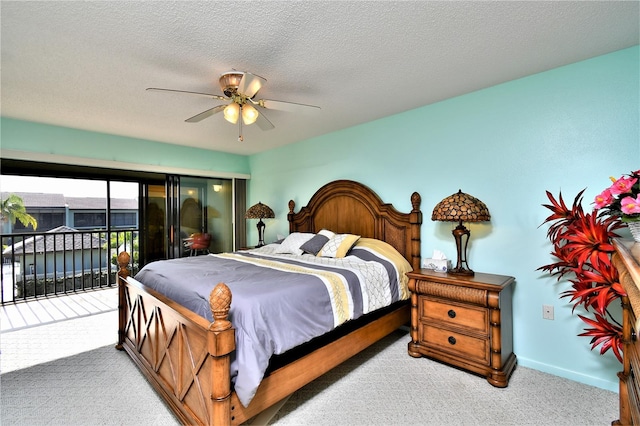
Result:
[[206, 208], [167, 209], [183, 208], [153, 222]]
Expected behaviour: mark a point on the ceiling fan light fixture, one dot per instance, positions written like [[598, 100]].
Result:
[[232, 112], [229, 82], [249, 114], [240, 89]]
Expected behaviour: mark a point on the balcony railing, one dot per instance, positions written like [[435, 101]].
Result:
[[54, 263]]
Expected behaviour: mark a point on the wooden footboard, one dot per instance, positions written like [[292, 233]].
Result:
[[185, 358], [187, 361]]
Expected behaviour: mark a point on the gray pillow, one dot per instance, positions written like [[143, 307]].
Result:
[[314, 245]]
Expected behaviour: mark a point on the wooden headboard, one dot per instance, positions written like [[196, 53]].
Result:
[[345, 206]]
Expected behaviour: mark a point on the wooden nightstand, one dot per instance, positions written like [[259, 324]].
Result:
[[464, 321]]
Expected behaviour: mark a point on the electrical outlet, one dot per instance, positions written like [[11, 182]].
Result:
[[547, 312]]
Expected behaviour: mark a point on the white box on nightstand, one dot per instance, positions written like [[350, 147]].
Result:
[[438, 265]]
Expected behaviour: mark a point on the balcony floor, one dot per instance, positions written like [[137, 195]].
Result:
[[53, 327]]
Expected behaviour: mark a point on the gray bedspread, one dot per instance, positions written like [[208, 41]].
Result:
[[279, 301]]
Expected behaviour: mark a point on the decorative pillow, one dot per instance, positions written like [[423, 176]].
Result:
[[383, 250], [386, 250], [316, 243], [291, 244], [339, 245]]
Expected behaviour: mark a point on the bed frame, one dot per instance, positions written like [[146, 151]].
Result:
[[187, 359]]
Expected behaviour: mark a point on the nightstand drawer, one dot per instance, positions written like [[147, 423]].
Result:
[[474, 319], [457, 343]]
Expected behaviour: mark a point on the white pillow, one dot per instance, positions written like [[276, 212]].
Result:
[[291, 244], [327, 233]]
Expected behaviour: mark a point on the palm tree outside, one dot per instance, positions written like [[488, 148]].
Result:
[[12, 208]]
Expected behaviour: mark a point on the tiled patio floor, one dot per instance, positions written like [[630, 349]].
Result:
[[49, 310], [49, 328]]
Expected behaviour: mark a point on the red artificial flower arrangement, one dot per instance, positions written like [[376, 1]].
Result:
[[582, 246]]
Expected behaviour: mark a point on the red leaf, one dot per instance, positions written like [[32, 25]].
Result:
[[604, 333]]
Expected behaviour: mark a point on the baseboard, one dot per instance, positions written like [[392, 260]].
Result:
[[611, 385]]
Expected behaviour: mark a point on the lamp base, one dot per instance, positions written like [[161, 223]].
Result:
[[461, 271], [260, 227], [458, 233]]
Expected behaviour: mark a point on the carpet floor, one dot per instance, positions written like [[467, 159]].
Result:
[[381, 386]]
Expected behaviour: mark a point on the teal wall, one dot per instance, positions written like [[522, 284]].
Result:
[[18, 135], [566, 129]]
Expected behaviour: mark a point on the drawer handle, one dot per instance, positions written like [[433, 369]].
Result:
[[452, 340], [451, 313]]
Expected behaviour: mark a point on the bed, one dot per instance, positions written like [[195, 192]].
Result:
[[189, 359]]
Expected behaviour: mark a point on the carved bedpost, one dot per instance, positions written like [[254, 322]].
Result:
[[292, 206], [221, 343], [413, 331], [220, 304], [415, 218], [123, 273], [416, 223]]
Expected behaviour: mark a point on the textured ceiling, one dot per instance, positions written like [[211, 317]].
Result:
[[86, 65]]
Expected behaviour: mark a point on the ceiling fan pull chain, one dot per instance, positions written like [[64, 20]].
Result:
[[240, 138]]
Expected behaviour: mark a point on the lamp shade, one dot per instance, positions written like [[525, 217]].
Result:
[[249, 114], [259, 211], [461, 207], [232, 112]]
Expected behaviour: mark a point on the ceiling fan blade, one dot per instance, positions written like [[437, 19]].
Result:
[[250, 84], [263, 122], [205, 114], [286, 106], [208, 95]]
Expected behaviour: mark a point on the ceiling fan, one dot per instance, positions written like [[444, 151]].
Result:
[[240, 89]]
